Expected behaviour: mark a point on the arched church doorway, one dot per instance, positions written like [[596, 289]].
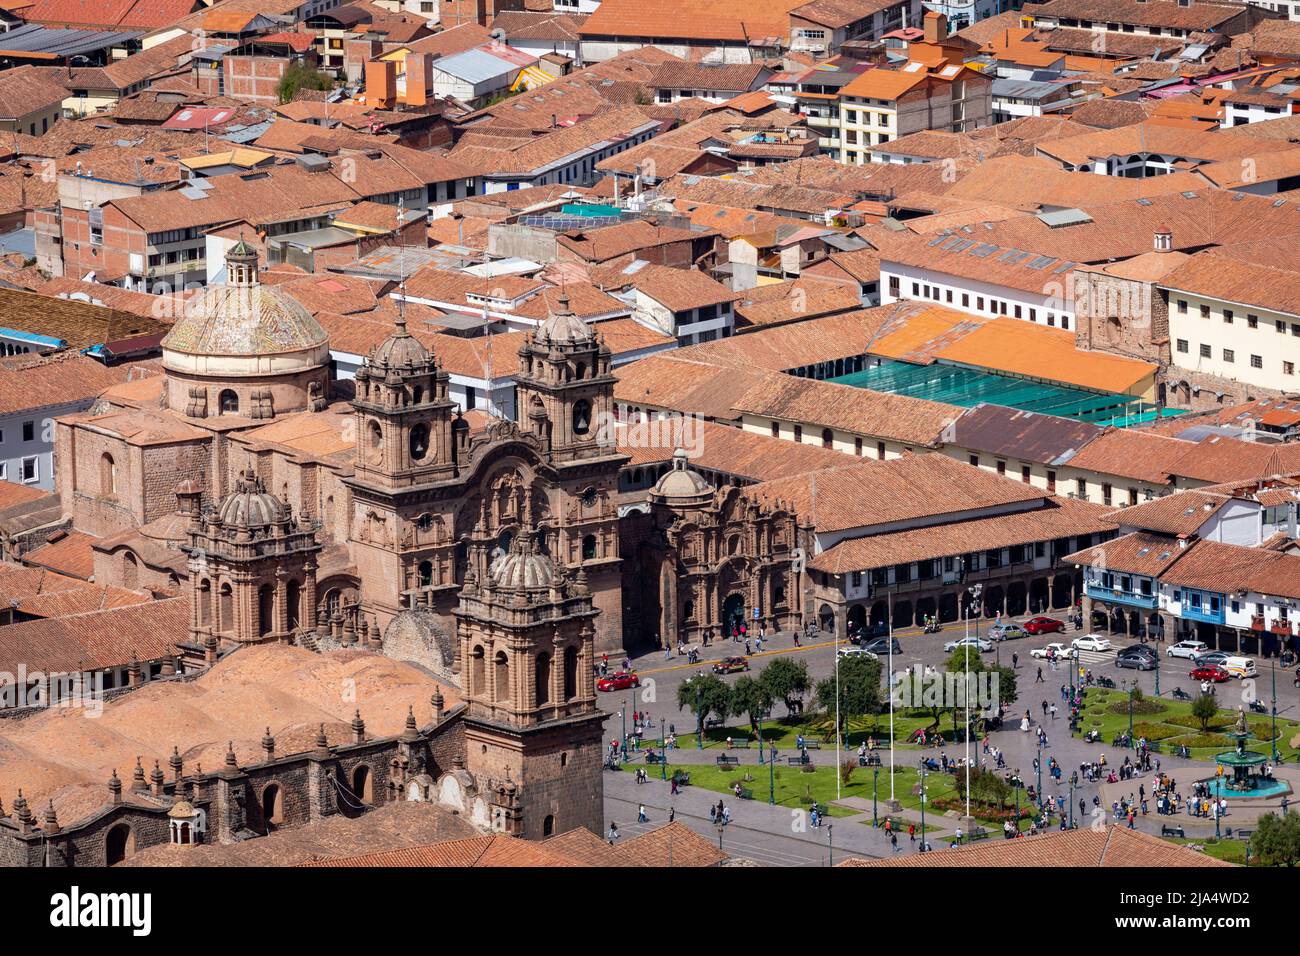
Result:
[[733, 613]]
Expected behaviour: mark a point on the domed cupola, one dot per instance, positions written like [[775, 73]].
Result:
[[250, 505], [523, 567], [562, 327], [682, 486], [242, 348], [400, 351]]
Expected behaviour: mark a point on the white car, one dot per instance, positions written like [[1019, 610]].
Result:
[[1188, 649], [1092, 642], [857, 652], [1053, 650], [978, 643]]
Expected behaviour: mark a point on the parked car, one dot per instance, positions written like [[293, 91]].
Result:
[[621, 680], [1091, 642], [730, 665], [1211, 657], [1210, 672], [1044, 625], [1139, 657], [1053, 650], [1006, 632], [978, 643], [846, 652], [880, 645], [1188, 649], [868, 632]]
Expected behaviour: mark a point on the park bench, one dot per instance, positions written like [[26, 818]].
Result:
[[1240, 833], [978, 833], [651, 758], [1154, 746], [742, 742], [813, 744], [746, 793], [1168, 831], [681, 778], [870, 760], [725, 761], [712, 723], [796, 761]]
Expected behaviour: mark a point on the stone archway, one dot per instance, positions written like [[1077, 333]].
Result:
[[119, 844], [733, 612], [826, 618], [1038, 602], [949, 608], [857, 619], [1017, 596]]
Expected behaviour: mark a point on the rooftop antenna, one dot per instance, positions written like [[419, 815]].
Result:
[[401, 263]]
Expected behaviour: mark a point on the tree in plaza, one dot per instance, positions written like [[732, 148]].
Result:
[[1276, 840], [963, 661], [857, 692], [986, 787], [750, 697], [1204, 709], [787, 680], [702, 695]]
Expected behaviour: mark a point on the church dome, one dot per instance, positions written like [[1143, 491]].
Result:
[[399, 350], [523, 567], [221, 325], [563, 327], [251, 505], [682, 484]]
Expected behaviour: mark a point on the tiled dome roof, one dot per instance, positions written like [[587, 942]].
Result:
[[682, 483], [399, 350], [244, 320], [523, 567], [251, 505], [563, 327]]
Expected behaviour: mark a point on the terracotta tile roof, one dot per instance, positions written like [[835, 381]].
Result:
[[734, 20], [1109, 113], [1229, 275], [19, 584], [12, 493], [1153, 137], [70, 554], [794, 301], [1113, 847], [1059, 518], [123, 14], [1131, 453], [484, 851], [859, 411], [1231, 568], [796, 344], [610, 242], [1027, 182], [723, 449], [497, 154], [80, 601], [867, 492], [673, 844], [26, 90], [97, 639], [1182, 513], [628, 335], [65, 378], [680, 290], [697, 387], [1161, 13], [457, 39], [333, 293], [1218, 459], [686, 75]]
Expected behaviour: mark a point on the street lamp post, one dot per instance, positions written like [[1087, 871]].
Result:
[[1157, 673], [975, 591], [922, 771], [1273, 718], [759, 715], [1038, 767], [875, 779], [663, 752], [1074, 781], [1218, 795], [1132, 685], [623, 716], [830, 846]]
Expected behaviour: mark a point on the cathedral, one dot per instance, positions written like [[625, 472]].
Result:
[[295, 508]]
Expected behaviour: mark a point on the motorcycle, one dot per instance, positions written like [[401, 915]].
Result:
[[932, 627], [1180, 694]]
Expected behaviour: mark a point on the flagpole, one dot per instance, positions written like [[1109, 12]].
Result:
[[890, 681], [838, 751]]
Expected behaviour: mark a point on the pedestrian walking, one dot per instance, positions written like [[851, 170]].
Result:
[[1039, 678], [672, 814], [1053, 711], [1015, 660], [816, 820], [613, 833], [641, 815], [911, 832], [893, 842]]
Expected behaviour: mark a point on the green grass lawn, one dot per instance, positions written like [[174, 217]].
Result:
[[797, 789], [1173, 724], [786, 730], [1230, 851]]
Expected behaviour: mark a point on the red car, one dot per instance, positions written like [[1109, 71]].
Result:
[[1210, 672], [729, 665], [620, 681], [1044, 625]]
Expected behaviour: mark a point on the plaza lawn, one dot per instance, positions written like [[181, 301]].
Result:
[[797, 789], [1230, 851], [1173, 725], [785, 731]]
